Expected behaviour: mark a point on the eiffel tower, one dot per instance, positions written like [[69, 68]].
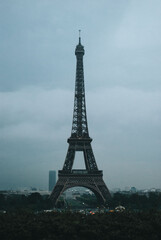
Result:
[[80, 140]]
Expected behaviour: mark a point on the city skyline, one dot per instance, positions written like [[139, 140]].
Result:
[[122, 42]]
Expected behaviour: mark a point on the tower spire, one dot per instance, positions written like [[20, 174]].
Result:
[[79, 126], [79, 36]]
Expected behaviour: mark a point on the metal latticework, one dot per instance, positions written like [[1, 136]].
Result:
[[80, 141], [79, 126]]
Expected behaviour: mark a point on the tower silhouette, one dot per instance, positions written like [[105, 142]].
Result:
[[80, 140]]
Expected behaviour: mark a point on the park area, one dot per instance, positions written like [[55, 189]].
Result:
[[77, 226]]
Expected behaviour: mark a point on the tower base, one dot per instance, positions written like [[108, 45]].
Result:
[[81, 178]]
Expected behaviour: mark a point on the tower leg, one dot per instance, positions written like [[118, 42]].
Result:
[[94, 183]]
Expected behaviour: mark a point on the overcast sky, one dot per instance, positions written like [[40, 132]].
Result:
[[122, 67]]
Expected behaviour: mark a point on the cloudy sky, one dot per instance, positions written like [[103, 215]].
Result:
[[122, 66]]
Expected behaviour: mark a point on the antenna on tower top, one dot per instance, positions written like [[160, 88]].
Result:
[[79, 36]]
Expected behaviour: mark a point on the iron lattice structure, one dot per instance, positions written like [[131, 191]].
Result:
[[80, 140]]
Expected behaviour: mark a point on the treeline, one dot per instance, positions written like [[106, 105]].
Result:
[[75, 226], [34, 201], [136, 201], [37, 202], [129, 201]]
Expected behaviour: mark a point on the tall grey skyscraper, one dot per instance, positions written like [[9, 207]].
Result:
[[52, 179]]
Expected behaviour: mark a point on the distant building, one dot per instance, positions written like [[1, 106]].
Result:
[[133, 190], [52, 179]]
